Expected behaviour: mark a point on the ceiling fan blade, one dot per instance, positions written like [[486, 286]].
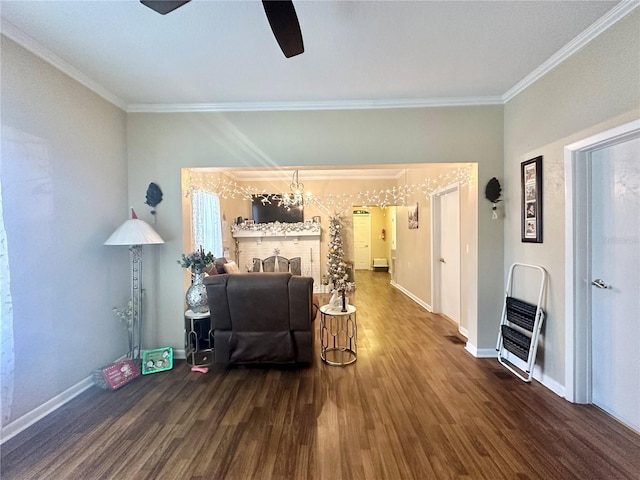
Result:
[[163, 6], [285, 26]]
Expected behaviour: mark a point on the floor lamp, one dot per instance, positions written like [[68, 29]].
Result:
[[135, 233]]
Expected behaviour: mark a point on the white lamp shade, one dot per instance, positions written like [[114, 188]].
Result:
[[134, 232]]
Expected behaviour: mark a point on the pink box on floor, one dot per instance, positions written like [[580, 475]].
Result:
[[116, 375]]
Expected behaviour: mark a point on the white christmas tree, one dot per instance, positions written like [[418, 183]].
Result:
[[336, 268]]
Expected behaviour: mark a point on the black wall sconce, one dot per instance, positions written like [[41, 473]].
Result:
[[492, 193]]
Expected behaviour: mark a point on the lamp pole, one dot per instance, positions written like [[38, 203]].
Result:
[[134, 233], [136, 301]]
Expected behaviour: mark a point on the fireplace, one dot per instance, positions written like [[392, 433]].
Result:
[[260, 242]]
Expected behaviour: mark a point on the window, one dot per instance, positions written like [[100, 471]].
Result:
[[206, 224]]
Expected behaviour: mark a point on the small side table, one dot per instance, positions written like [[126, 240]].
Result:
[[198, 340], [338, 335]]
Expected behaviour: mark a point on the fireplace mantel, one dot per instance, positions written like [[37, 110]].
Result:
[[261, 234], [289, 240], [276, 229]]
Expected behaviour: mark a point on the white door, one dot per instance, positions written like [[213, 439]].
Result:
[[393, 227], [450, 255], [361, 241], [615, 276]]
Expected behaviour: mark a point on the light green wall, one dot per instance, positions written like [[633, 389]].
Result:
[[160, 144], [596, 89], [64, 188], [75, 144]]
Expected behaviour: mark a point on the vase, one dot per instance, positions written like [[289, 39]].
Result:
[[196, 296]]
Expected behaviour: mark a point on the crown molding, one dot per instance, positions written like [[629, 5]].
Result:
[[320, 105], [610, 18], [605, 22], [14, 33]]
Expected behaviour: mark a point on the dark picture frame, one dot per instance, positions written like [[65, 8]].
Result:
[[531, 214]]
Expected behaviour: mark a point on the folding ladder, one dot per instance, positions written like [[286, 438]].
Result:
[[520, 326]]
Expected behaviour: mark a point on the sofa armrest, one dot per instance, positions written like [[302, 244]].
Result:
[[315, 308], [218, 301], [300, 303]]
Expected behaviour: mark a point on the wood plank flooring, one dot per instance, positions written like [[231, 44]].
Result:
[[414, 406]]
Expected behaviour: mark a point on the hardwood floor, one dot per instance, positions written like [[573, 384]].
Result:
[[414, 406]]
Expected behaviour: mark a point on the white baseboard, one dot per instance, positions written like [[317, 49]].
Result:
[[538, 374], [419, 301], [463, 331], [481, 352], [14, 428], [179, 354]]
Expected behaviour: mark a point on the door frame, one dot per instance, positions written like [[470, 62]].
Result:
[[368, 216], [578, 373], [436, 251]]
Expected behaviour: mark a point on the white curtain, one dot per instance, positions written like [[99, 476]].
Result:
[[207, 225], [6, 324]]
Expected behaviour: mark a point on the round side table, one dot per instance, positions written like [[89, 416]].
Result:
[[198, 341], [338, 335]]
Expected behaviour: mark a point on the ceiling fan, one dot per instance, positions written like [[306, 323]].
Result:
[[280, 13]]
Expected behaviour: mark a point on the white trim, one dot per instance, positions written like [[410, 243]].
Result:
[[548, 382], [420, 302], [601, 25], [610, 18], [310, 105], [537, 374], [19, 425], [463, 331], [179, 354], [435, 246], [577, 262], [24, 40], [482, 352]]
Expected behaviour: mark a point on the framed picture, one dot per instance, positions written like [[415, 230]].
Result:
[[531, 178], [413, 217], [316, 219]]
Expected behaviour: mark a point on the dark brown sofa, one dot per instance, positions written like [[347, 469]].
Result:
[[261, 317]]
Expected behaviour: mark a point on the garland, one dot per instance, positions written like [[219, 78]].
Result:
[[277, 228]]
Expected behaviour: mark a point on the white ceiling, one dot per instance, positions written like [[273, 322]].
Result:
[[221, 55]]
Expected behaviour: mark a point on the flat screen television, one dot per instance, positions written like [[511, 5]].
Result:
[[272, 212]]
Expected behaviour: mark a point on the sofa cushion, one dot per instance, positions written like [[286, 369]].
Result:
[[261, 347], [259, 301]]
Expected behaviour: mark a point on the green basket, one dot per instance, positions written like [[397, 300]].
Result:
[[157, 360]]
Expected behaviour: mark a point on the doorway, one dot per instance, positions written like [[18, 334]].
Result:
[[446, 253], [603, 272], [362, 240]]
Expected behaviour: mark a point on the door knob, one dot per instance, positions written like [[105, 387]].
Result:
[[442, 260], [600, 283]]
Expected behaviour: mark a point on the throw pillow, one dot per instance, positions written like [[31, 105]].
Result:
[[231, 267], [219, 263]]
